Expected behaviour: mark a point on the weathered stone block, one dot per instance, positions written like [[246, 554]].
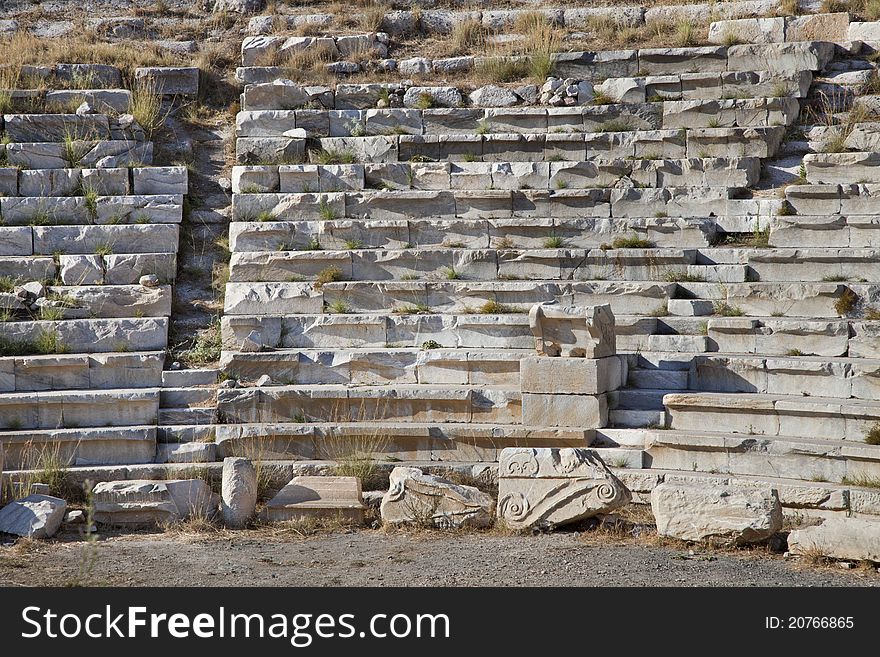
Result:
[[318, 497], [570, 376], [415, 497], [557, 410], [548, 487]]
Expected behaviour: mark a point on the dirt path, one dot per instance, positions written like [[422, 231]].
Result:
[[376, 558]]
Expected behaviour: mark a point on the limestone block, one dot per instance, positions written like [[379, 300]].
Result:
[[276, 95], [867, 31], [662, 61], [424, 97], [239, 497], [16, 241], [748, 30], [564, 410], [340, 177], [106, 181], [570, 376], [297, 178], [573, 331], [624, 90], [318, 497], [159, 180], [8, 181], [842, 168], [49, 182], [81, 269], [736, 514], [196, 452], [141, 502], [415, 497], [446, 121], [548, 487], [839, 538], [36, 155], [596, 66], [35, 516], [780, 57], [393, 121], [170, 80], [361, 96], [56, 127], [818, 27]]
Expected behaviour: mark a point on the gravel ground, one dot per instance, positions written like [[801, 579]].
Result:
[[272, 557]]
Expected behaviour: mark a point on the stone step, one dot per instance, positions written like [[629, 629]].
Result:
[[498, 204], [468, 264], [773, 415], [84, 335], [853, 198], [112, 269], [123, 444], [405, 440], [854, 230], [498, 175], [106, 101], [197, 397], [80, 371], [53, 409], [187, 415], [82, 153], [96, 302], [840, 378], [99, 191], [185, 433], [189, 378], [269, 111], [379, 366], [88, 240], [108, 212], [420, 403], [658, 379], [810, 459], [636, 418], [842, 168], [190, 452], [514, 233], [448, 297], [610, 437], [637, 399]]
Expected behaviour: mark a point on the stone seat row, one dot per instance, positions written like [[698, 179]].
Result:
[[81, 371], [112, 269], [78, 336], [751, 299], [28, 128], [103, 182], [513, 147], [773, 415], [810, 459], [562, 174], [105, 101], [99, 240], [671, 115], [56, 409], [852, 198], [340, 403], [552, 260], [841, 378], [266, 88], [600, 202], [90, 302], [518, 233], [107, 154], [597, 66]]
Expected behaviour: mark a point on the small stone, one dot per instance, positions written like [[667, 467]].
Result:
[[149, 280], [264, 380], [252, 343]]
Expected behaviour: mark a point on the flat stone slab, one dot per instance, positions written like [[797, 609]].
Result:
[[318, 497], [35, 516], [547, 487]]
